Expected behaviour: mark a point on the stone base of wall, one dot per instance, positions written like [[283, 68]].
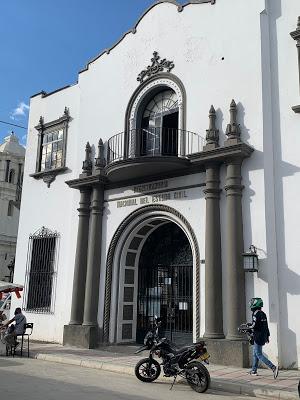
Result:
[[86, 337], [228, 352]]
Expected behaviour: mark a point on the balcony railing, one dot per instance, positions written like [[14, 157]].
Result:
[[153, 142]]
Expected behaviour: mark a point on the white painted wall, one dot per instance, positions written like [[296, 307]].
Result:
[[54, 208], [234, 49]]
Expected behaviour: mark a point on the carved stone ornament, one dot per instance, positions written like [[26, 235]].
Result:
[[100, 160], [44, 232], [156, 67], [87, 165], [49, 178], [233, 130], [212, 133]]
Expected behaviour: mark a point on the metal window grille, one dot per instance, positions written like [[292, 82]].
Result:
[[41, 272]]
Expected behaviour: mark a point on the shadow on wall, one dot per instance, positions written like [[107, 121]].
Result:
[[287, 283]]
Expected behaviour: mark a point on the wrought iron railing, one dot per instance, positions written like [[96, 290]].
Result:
[[153, 142]]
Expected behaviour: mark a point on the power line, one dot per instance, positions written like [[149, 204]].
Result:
[[8, 123]]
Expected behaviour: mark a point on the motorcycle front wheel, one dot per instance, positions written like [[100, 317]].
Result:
[[197, 377], [147, 370]]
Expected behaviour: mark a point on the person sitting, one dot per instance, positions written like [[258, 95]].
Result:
[[18, 328]]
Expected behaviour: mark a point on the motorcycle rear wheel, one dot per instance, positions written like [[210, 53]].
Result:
[[197, 376], [147, 370]]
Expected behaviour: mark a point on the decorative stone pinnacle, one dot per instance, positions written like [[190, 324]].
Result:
[[233, 111], [212, 133], [233, 130], [87, 163], [41, 121], [66, 112], [100, 160], [298, 24]]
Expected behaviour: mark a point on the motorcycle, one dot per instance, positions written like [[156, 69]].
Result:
[[174, 361]]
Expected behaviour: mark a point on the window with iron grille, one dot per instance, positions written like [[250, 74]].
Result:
[[41, 272]]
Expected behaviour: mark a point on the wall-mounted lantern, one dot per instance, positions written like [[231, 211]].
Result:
[[251, 260]]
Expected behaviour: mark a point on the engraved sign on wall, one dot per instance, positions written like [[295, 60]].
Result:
[[158, 198]]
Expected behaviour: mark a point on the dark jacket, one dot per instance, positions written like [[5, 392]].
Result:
[[260, 327]]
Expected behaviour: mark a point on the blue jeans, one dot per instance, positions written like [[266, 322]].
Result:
[[258, 356]]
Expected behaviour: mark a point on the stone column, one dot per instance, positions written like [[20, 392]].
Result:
[[213, 263], [94, 258], [80, 258], [235, 296]]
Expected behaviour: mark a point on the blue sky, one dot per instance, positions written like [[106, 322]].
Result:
[[45, 43]]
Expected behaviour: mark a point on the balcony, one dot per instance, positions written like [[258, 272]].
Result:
[[150, 152]]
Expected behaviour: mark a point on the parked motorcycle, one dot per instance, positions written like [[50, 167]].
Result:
[[174, 361]]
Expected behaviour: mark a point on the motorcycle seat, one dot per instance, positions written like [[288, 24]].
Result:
[[182, 349]]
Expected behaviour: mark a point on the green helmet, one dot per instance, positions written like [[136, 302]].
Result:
[[256, 302]]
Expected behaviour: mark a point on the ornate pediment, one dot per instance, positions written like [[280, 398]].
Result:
[[44, 232], [157, 66]]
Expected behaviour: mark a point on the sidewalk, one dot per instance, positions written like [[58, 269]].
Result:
[[121, 359]]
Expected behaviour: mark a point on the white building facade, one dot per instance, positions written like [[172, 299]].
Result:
[[205, 96], [12, 156]]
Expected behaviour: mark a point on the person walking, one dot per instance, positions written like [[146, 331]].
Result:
[[261, 334]]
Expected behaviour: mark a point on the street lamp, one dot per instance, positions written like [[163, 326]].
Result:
[[251, 260]]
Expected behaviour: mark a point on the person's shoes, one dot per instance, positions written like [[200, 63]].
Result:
[[275, 371], [254, 373]]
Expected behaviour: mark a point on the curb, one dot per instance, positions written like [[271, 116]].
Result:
[[216, 384]]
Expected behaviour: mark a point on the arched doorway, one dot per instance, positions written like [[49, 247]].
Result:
[[159, 125], [165, 284], [122, 270]]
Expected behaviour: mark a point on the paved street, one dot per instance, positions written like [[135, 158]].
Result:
[[35, 380]]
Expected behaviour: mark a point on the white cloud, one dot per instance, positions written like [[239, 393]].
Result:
[[20, 110]]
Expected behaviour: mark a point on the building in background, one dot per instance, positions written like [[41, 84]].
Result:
[[190, 128], [12, 156]]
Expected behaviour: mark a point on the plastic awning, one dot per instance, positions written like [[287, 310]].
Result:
[[7, 287]]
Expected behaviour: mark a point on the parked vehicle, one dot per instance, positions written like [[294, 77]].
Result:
[[174, 361]]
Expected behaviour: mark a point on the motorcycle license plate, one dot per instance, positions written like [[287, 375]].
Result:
[[204, 356]]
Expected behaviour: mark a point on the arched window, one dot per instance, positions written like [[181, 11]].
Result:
[[159, 122], [11, 178]]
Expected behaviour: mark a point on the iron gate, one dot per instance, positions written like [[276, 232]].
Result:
[[166, 291]]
